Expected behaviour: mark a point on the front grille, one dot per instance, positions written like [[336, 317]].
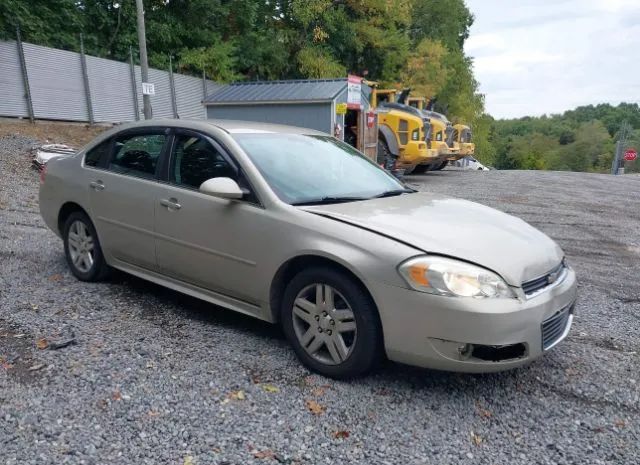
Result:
[[535, 285], [554, 326]]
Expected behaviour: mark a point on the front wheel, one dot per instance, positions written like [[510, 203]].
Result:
[[332, 323], [439, 166]]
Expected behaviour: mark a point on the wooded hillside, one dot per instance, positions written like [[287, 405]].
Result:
[[577, 140]]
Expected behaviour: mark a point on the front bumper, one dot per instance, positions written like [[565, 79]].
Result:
[[471, 335]]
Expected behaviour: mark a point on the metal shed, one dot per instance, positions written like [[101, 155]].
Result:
[[321, 104]]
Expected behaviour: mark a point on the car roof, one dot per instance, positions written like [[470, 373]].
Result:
[[229, 126]]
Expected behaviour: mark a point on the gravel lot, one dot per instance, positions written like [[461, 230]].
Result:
[[155, 377]]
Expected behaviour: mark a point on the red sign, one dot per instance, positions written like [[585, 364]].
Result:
[[371, 119], [630, 155]]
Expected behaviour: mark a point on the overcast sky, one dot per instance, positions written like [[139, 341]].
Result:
[[546, 56]]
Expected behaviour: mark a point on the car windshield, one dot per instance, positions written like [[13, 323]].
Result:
[[308, 169]]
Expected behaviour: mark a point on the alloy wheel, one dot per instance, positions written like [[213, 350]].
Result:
[[324, 324], [81, 246]]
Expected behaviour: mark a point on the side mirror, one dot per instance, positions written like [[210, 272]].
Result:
[[225, 188]]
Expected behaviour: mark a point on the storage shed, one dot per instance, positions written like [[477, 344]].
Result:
[[336, 106]]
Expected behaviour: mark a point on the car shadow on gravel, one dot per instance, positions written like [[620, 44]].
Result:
[[183, 306]]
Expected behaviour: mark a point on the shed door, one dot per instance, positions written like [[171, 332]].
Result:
[[369, 134]]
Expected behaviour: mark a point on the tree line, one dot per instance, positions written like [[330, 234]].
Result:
[[401, 43], [413, 43], [583, 139]]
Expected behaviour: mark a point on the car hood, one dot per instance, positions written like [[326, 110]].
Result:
[[457, 228]]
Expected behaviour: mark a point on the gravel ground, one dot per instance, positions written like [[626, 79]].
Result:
[[154, 377]]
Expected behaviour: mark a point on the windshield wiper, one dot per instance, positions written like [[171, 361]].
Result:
[[329, 199], [393, 193]]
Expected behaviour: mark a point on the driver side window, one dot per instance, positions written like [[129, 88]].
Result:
[[194, 160]]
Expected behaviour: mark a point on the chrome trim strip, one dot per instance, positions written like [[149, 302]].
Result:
[[556, 283]]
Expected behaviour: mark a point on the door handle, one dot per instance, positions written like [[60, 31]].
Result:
[[97, 185], [171, 204]]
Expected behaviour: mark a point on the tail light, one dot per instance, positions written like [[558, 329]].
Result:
[[43, 174]]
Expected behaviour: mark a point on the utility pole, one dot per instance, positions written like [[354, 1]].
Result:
[[144, 64]]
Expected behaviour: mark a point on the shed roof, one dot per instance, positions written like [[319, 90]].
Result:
[[307, 90]]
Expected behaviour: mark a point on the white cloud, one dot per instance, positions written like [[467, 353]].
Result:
[[545, 56]]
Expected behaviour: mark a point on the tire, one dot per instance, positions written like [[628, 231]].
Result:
[[81, 240], [385, 157], [440, 166], [421, 169], [347, 341]]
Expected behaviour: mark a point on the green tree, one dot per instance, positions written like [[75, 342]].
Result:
[[531, 152]]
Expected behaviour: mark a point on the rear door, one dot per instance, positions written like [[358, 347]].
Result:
[[122, 194]]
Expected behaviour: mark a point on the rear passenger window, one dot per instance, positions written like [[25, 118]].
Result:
[[93, 156], [137, 154]]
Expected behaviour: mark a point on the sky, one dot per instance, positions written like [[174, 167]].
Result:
[[533, 57]]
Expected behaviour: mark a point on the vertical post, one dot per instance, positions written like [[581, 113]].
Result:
[[85, 79], [144, 62], [204, 93], [617, 166], [172, 86], [25, 76], [134, 85], [616, 158]]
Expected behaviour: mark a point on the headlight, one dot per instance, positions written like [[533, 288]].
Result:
[[445, 276]]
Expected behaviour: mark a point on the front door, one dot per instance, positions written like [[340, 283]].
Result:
[[206, 241], [122, 196]]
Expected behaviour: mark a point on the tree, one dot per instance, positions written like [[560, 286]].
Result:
[[425, 70], [448, 21]]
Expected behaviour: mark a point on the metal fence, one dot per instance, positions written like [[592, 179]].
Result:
[[46, 83]]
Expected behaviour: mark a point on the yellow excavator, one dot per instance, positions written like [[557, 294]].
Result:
[[462, 136], [417, 102], [451, 142], [403, 131]]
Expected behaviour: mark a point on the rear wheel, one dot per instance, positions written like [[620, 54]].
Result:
[[82, 248], [331, 323], [421, 169]]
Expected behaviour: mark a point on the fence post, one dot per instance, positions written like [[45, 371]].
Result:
[[134, 86], [204, 93], [204, 85], [172, 86], [25, 76], [85, 79]]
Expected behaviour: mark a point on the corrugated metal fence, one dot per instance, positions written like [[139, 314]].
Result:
[[111, 91]]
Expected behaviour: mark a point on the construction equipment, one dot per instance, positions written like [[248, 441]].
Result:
[[403, 131], [381, 96], [462, 140], [417, 102], [441, 144]]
